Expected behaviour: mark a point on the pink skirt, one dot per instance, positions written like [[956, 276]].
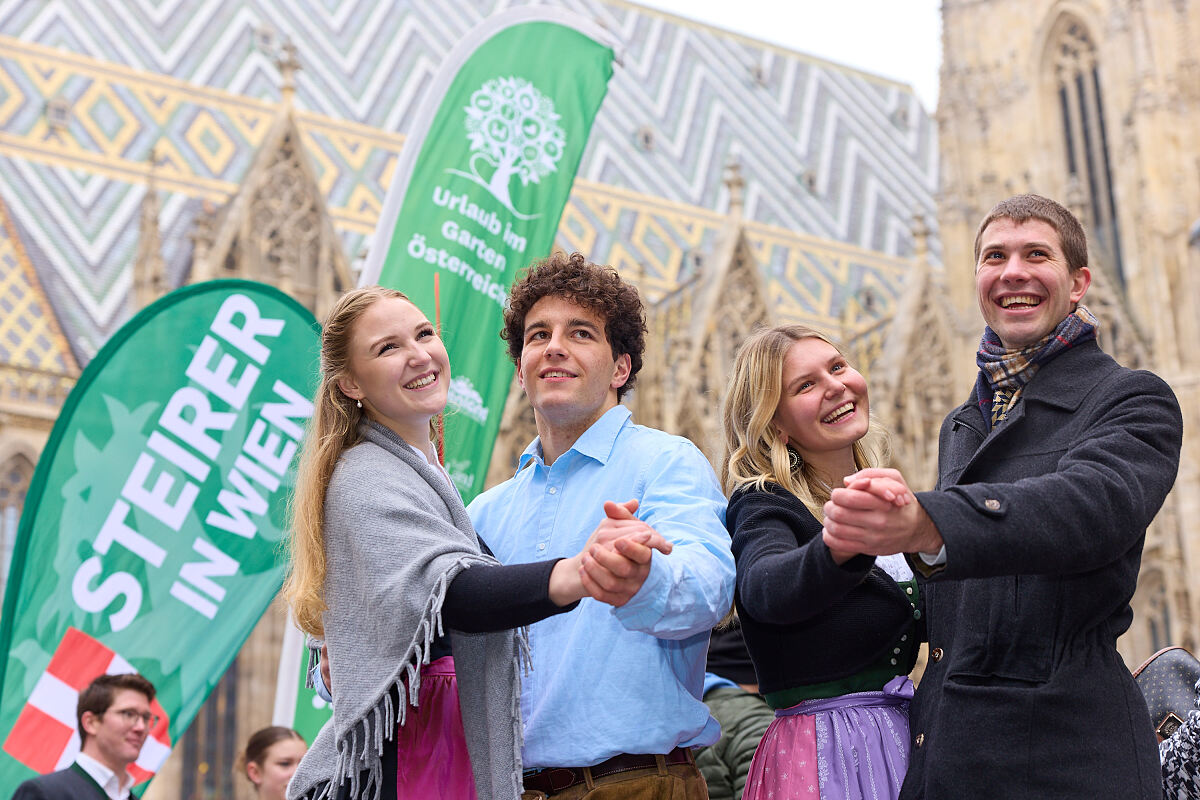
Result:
[[431, 748], [851, 747]]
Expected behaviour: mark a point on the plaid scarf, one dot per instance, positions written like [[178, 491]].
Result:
[[1003, 373]]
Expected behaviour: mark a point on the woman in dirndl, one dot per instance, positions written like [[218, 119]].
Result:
[[416, 615], [832, 635]]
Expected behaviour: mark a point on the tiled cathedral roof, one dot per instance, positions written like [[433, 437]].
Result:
[[836, 161], [30, 337]]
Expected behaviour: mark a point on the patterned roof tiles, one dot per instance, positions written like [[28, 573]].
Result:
[[833, 158]]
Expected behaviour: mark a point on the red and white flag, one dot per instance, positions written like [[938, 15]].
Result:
[[45, 739]]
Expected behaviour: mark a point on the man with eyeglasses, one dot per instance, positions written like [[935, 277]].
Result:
[[114, 718]]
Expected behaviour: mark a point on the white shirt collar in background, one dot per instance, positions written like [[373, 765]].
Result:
[[114, 788]]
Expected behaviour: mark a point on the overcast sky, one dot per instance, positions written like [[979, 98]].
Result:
[[899, 39]]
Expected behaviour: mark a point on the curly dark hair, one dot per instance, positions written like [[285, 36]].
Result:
[[596, 288]]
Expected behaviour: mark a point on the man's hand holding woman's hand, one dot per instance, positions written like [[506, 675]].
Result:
[[614, 563], [888, 485], [877, 514]]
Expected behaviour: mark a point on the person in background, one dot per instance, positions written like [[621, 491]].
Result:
[[731, 694], [1180, 757], [271, 756], [833, 634], [114, 718]]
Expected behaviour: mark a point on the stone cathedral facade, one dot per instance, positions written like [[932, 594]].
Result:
[[1097, 104]]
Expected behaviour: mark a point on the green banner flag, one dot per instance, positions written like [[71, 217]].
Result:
[[150, 537], [478, 195]]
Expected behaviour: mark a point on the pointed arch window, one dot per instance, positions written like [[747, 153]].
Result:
[[1157, 611], [1085, 137]]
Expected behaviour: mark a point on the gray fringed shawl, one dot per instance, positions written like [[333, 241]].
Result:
[[396, 535]]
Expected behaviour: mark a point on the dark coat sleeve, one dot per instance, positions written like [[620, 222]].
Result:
[[66, 784], [30, 790], [1095, 478], [785, 573], [489, 597]]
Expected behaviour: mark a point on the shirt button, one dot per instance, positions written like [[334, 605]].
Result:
[[893, 662], [553, 490], [896, 651], [992, 504], [936, 654], [904, 638], [542, 546], [908, 589], [920, 740]]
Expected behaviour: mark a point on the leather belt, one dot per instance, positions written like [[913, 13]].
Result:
[[556, 779]]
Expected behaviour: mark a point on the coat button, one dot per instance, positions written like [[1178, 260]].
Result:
[[920, 740], [936, 654], [992, 504]]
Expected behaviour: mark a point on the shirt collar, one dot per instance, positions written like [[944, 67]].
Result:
[[596, 442], [436, 464], [105, 777]]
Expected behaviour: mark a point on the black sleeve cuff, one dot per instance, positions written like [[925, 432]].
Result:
[[485, 598]]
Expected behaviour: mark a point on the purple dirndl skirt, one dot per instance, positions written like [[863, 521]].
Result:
[[850, 747], [431, 748]]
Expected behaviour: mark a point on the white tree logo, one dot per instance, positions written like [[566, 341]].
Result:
[[513, 129]]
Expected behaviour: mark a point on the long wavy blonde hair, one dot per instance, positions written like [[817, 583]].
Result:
[[332, 429], [754, 452]]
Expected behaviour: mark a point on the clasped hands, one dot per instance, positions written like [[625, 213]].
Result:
[[614, 563], [877, 514]]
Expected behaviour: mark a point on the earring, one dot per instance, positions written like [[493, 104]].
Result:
[[794, 460], [358, 403]]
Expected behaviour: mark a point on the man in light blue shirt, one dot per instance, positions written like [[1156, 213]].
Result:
[[614, 695]]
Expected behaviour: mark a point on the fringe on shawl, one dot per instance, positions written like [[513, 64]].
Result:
[[524, 660], [322, 791], [361, 749]]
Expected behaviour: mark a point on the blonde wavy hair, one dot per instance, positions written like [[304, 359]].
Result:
[[332, 430], [754, 452]]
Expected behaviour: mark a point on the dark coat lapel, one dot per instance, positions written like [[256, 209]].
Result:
[[1062, 383], [82, 774]]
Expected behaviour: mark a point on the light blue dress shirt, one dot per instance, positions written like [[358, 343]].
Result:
[[714, 681], [617, 680]]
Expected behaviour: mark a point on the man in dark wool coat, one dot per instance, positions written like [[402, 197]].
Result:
[[1030, 545], [114, 718]]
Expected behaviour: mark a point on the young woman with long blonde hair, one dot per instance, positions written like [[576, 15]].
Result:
[[387, 569], [832, 635]]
